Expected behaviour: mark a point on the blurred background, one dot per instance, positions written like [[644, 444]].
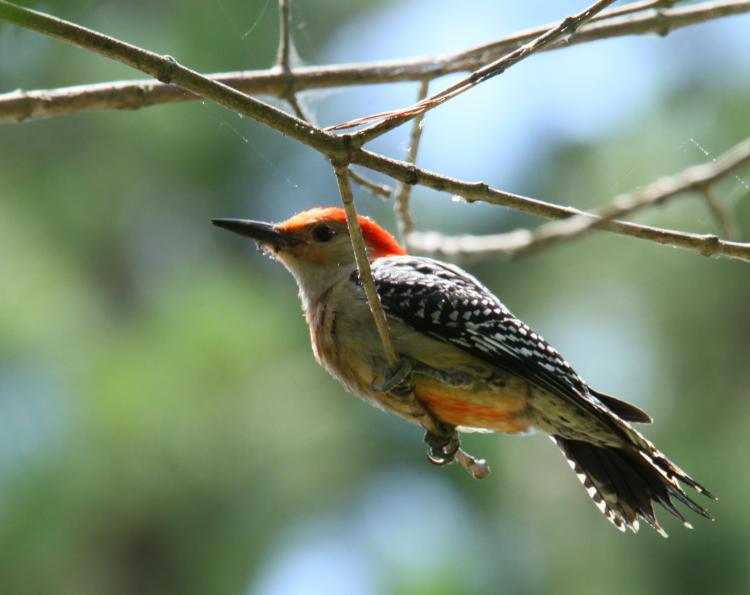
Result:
[[163, 425]]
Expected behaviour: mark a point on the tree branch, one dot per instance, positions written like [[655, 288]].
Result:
[[401, 205], [478, 467], [167, 70], [284, 58], [388, 120], [708, 245], [697, 177], [727, 226], [20, 105], [513, 242], [363, 264], [339, 147], [382, 190]]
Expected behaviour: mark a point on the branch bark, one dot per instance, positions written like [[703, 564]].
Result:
[[640, 19], [388, 120], [167, 70], [340, 147], [403, 192], [697, 177], [363, 264], [477, 467], [707, 245]]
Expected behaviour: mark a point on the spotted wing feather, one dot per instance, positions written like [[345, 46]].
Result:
[[450, 305]]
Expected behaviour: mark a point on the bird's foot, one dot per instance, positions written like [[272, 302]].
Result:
[[443, 447], [398, 382]]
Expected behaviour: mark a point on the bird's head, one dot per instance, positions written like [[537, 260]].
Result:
[[314, 245]]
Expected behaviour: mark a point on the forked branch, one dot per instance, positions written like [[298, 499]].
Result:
[[639, 18], [340, 147]]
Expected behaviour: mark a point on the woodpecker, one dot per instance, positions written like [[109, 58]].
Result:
[[473, 365]]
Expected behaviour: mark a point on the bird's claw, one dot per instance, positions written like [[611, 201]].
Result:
[[398, 382], [443, 448]]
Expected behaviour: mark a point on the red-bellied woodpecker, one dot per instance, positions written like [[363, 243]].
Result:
[[471, 362]]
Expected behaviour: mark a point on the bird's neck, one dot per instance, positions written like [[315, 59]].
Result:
[[315, 282]]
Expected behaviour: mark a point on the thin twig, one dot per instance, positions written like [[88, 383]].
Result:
[[284, 63], [697, 177], [478, 467], [363, 265], [20, 105], [373, 188], [602, 26], [168, 70], [708, 245], [727, 226], [469, 245], [340, 147], [514, 243], [285, 37], [284, 58], [401, 206], [636, 7], [388, 120]]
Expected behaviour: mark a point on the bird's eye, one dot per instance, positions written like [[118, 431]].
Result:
[[323, 233]]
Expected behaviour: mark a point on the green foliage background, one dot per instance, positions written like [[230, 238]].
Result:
[[164, 428]]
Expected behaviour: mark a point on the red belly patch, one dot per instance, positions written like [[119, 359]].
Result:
[[501, 411]]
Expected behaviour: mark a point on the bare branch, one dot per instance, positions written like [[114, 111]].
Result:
[[20, 105], [512, 243], [708, 245], [727, 226], [603, 26], [478, 467], [337, 147], [285, 37], [372, 187], [636, 7], [401, 206], [284, 57], [360, 254], [388, 120], [167, 70], [289, 94], [697, 177]]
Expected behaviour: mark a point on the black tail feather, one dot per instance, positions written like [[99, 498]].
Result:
[[624, 483], [622, 409]]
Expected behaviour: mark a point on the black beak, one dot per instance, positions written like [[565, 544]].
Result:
[[263, 233]]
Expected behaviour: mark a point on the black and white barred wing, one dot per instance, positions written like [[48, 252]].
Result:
[[450, 305]]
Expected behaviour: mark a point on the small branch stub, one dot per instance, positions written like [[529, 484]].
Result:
[[478, 467]]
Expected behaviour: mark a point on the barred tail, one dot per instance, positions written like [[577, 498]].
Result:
[[624, 483]]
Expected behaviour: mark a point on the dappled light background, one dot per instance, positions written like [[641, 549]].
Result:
[[163, 425]]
